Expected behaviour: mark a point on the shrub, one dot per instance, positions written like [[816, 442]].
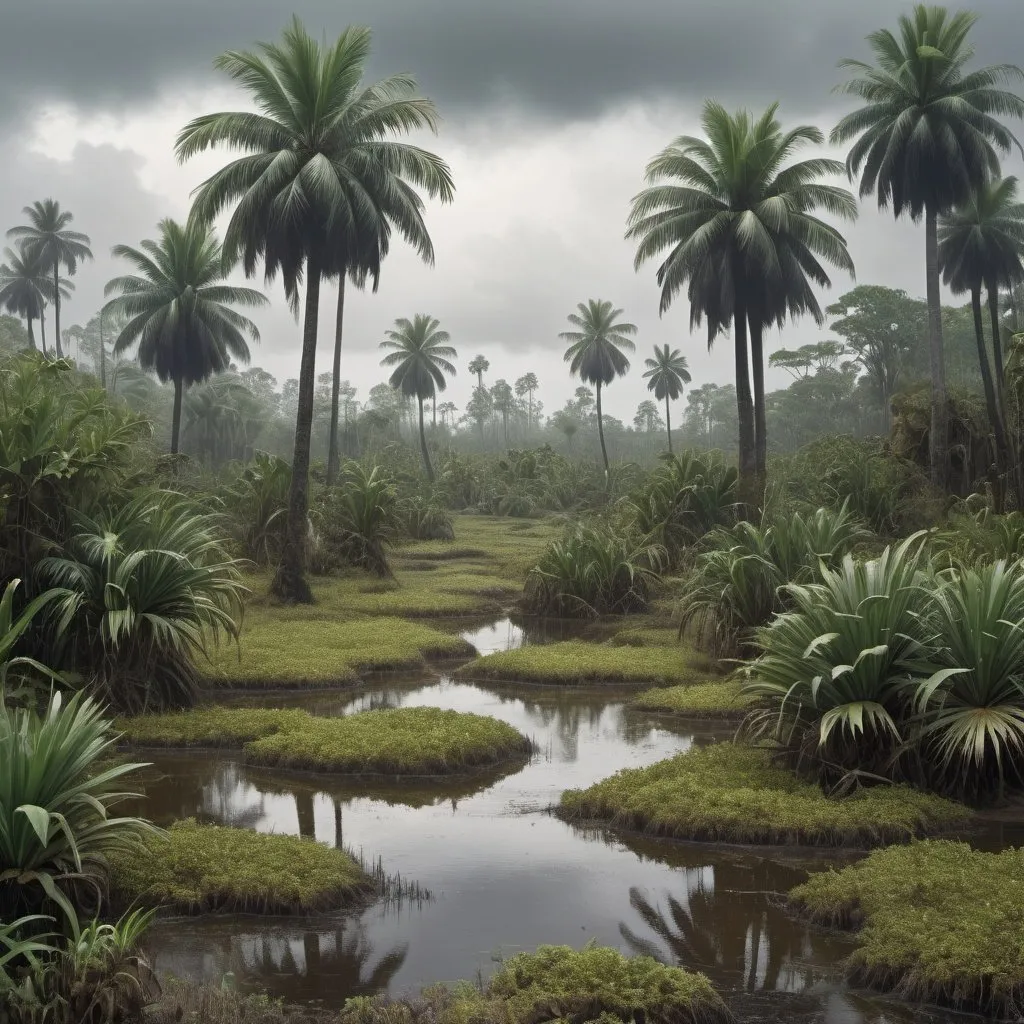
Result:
[[425, 518], [594, 570], [258, 502], [981, 537], [19, 675], [148, 586], [56, 826]]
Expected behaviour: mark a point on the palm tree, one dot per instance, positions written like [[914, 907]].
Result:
[[421, 356], [666, 374], [321, 184], [980, 245], [179, 308], [501, 397], [447, 411], [595, 351], [740, 230], [25, 288], [48, 237], [479, 365], [926, 138], [526, 385]]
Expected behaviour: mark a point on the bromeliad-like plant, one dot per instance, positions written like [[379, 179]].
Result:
[[148, 587], [836, 670], [259, 505], [56, 826]]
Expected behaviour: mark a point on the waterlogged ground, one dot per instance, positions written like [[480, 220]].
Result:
[[503, 874]]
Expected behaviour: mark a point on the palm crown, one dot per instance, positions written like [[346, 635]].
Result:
[[666, 373], [597, 346], [25, 286], [49, 239]]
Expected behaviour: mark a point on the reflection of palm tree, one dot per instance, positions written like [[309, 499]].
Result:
[[305, 813]]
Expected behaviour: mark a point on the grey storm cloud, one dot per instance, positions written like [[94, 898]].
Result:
[[555, 58]]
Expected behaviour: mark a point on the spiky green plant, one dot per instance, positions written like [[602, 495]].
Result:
[[56, 826], [259, 506], [149, 587], [980, 538], [426, 518]]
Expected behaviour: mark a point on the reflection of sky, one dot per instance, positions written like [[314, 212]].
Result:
[[504, 875]]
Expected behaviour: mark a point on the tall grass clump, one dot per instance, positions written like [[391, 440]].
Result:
[[148, 587], [738, 582], [979, 537], [258, 503], [594, 570], [425, 517]]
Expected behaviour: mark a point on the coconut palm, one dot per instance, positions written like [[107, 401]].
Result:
[[49, 239], [179, 308], [25, 288], [421, 357], [739, 227], [666, 374], [595, 352], [321, 176], [927, 137]]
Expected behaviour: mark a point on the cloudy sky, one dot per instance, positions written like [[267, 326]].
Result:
[[551, 110]]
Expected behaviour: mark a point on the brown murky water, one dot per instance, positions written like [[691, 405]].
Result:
[[504, 874]]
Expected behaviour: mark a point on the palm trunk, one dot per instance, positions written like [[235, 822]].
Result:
[[600, 434], [991, 403], [744, 408], [179, 389], [997, 345], [56, 310], [31, 334], [760, 420], [434, 409], [938, 440], [332, 448], [289, 580], [423, 444], [42, 332], [103, 356], [668, 423], [529, 418]]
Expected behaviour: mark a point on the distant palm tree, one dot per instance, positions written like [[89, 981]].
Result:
[[502, 399], [321, 177], [526, 385], [447, 411], [421, 358], [479, 365], [980, 244], [595, 352], [25, 288], [666, 374], [49, 239], [926, 138], [179, 308], [739, 228]]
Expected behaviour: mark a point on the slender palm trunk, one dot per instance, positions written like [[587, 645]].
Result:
[[668, 423], [56, 310], [997, 344], [42, 332], [744, 406], [504, 423], [760, 418], [289, 581], [103, 356], [423, 444], [938, 440], [434, 409], [179, 389], [600, 434], [991, 402], [31, 334], [332, 448]]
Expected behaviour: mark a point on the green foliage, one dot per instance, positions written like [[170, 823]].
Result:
[[199, 869], [425, 518], [936, 921], [573, 663], [149, 586], [595, 570], [18, 673], [357, 521], [735, 794], [56, 829], [700, 700], [258, 503], [979, 538]]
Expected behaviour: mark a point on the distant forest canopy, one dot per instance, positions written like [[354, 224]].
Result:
[[872, 349]]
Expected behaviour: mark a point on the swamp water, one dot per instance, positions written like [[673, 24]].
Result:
[[503, 874]]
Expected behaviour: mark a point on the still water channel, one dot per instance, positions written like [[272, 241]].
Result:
[[503, 874]]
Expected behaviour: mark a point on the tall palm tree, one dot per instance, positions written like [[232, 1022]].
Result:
[[421, 357], [179, 308], [980, 244], [927, 136], [740, 232], [323, 176], [25, 288], [479, 365], [595, 352], [526, 385], [48, 237], [666, 374]]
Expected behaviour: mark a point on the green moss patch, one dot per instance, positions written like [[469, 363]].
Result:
[[939, 922], [393, 741], [735, 794], [646, 636], [199, 869], [557, 983], [701, 700], [575, 662]]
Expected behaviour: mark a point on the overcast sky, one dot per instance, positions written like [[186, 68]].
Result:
[[551, 109]]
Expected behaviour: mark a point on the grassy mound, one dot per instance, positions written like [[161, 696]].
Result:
[[735, 794], [575, 661], [393, 741], [702, 700], [939, 922], [558, 983], [200, 869]]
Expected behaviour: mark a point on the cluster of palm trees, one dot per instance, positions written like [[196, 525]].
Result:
[[735, 224], [30, 279]]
